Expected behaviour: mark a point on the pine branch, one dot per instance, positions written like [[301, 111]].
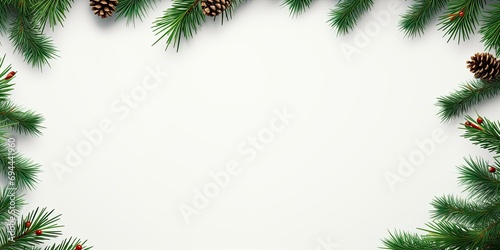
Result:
[[26, 237], [297, 6], [419, 14], [7, 211], [405, 241], [491, 29], [22, 121], [24, 170], [451, 235], [134, 9], [183, 19], [469, 95], [460, 27], [486, 135], [346, 14], [469, 213], [477, 181], [67, 244], [51, 11], [27, 38]]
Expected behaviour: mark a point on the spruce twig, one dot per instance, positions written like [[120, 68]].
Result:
[[469, 95], [297, 6], [134, 9], [346, 14], [461, 27], [419, 15]]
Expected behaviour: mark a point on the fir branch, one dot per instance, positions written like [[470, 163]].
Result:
[[26, 237], [469, 95], [486, 135], [490, 29], [419, 14], [25, 170], [470, 213], [7, 211], [51, 11], [23, 121], [297, 6], [67, 244], [404, 241], [181, 20], [477, 181], [134, 9], [346, 14], [451, 235], [27, 38], [460, 27]]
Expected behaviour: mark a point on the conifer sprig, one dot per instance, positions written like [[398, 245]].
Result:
[[464, 223], [460, 27], [419, 15], [487, 135], [491, 29], [346, 14], [7, 195], [24, 169], [297, 6], [134, 9], [468, 95]]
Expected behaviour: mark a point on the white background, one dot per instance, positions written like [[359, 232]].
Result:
[[320, 180]]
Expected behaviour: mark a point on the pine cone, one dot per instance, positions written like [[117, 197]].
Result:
[[484, 66], [214, 7], [103, 8]]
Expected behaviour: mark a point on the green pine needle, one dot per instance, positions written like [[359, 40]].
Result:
[[51, 11], [469, 95], [183, 19], [477, 181], [27, 38], [134, 9], [7, 195], [22, 121], [487, 137], [404, 241], [346, 14], [25, 171], [25, 238], [68, 244], [490, 29], [297, 6], [419, 15], [457, 27]]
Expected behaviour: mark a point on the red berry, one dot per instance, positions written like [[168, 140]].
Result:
[[10, 75], [479, 120], [461, 13], [27, 224], [492, 169], [38, 232], [78, 247]]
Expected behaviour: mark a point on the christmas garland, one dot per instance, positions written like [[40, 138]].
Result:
[[37, 227], [458, 223], [24, 20], [472, 223]]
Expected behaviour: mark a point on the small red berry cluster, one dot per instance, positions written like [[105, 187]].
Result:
[[479, 121]]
